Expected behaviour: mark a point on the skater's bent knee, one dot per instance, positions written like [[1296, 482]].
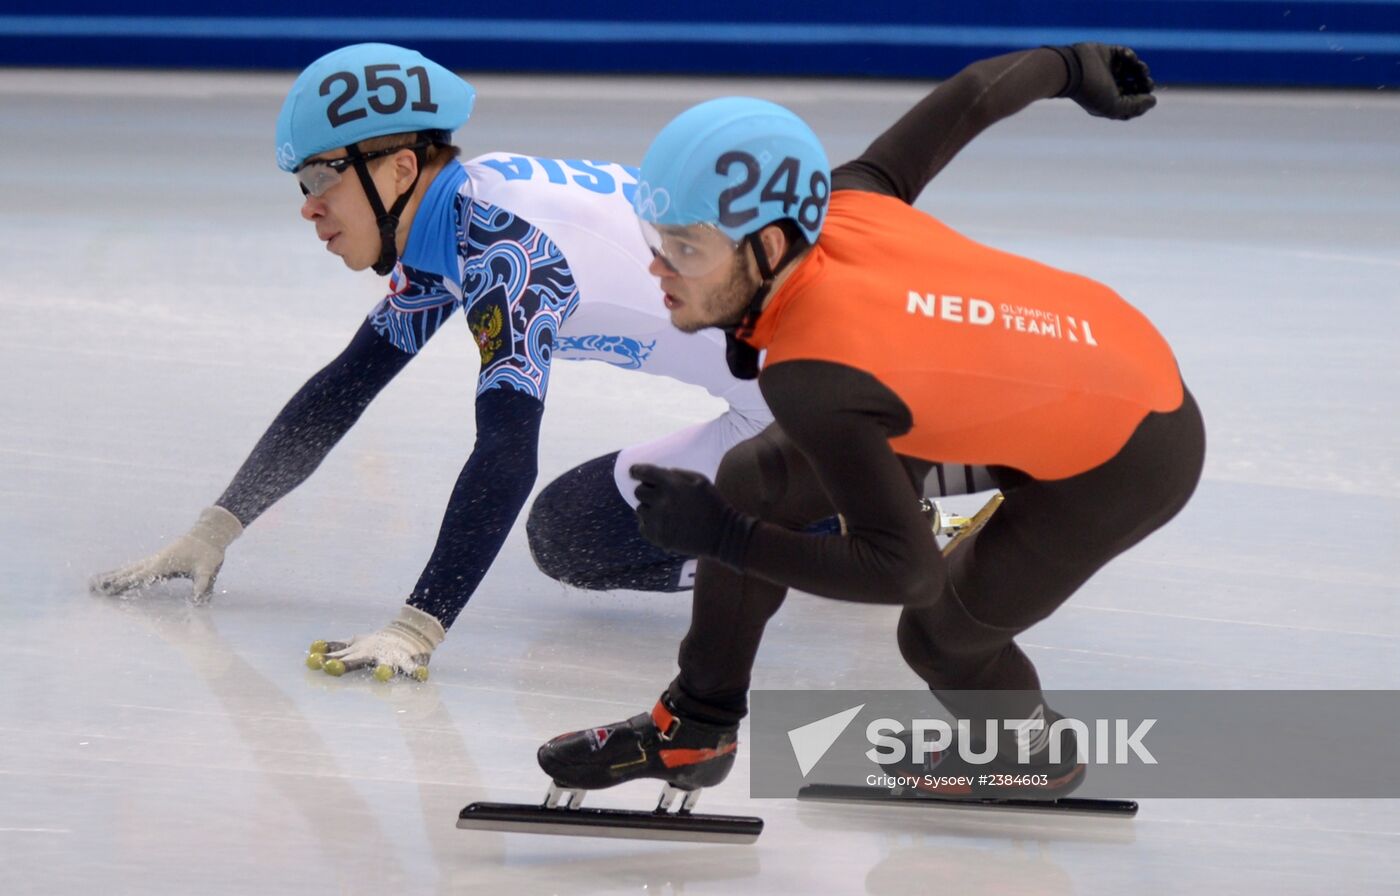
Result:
[[751, 476]]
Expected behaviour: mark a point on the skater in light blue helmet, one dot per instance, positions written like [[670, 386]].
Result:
[[383, 112]]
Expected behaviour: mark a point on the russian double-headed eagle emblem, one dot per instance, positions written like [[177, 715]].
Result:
[[486, 326]]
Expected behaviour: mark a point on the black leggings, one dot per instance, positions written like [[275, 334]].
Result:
[[1045, 541]]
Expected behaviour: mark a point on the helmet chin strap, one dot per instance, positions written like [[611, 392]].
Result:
[[742, 357], [388, 221]]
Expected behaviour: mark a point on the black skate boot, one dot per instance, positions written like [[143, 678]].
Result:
[[947, 774], [684, 753]]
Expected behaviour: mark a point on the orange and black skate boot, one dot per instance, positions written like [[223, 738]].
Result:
[[685, 753]]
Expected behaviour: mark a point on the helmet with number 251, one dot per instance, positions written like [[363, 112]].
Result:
[[737, 164], [363, 91]]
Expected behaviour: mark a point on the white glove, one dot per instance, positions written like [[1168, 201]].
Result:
[[196, 555], [403, 646]]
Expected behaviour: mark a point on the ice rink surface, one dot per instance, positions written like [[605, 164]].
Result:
[[162, 299]]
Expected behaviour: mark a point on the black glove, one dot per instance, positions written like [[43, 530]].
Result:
[[1108, 81], [682, 511]]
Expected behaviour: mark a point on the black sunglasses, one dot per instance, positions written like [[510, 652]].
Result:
[[312, 168]]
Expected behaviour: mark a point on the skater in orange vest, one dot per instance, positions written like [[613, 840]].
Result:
[[888, 341]]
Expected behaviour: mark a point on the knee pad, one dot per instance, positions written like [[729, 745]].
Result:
[[752, 475], [570, 512], [757, 478], [546, 530], [583, 533]]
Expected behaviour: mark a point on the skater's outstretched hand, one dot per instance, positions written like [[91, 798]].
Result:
[[682, 511], [196, 555], [1113, 82], [402, 647]]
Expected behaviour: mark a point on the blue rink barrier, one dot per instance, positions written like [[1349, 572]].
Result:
[[1353, 43]]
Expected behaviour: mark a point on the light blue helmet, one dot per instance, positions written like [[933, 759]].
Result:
[[363, 91], [738, 163]]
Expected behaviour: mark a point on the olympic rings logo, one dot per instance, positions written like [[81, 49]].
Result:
[[651, 204], [286, 155]]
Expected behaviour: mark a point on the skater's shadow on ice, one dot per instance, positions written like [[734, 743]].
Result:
[[1021, 869], [923, 822], [299, 762], [533, 863]]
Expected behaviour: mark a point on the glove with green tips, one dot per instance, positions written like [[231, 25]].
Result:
[[402, 647]]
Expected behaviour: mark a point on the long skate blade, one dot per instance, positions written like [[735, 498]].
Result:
[[616, 823], [975, 523], [855, 793]]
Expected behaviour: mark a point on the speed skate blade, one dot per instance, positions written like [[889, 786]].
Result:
[[629, 824], [1076, 805], [975, 523]]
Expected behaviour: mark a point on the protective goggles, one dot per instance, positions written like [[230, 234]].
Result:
[[691, 250], [316, 176]]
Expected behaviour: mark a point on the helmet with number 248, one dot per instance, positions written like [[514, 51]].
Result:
[[723, 170]]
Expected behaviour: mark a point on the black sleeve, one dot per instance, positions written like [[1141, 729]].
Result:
[[906, 157], [321, 412], [488, 496], [841, 419]]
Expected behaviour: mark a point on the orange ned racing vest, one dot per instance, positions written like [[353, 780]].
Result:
[[1000, 360]]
